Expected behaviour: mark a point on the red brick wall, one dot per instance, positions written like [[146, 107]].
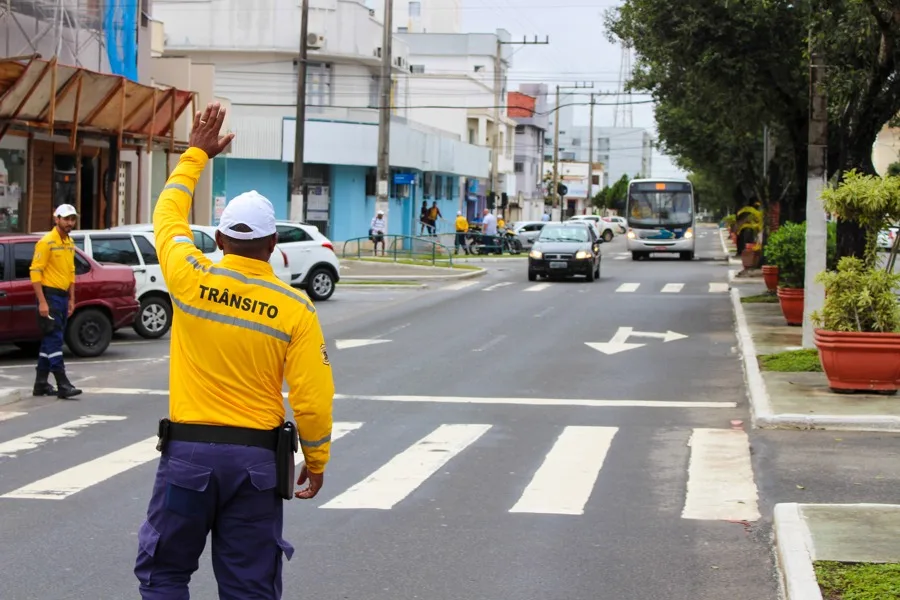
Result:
[[520, 105]]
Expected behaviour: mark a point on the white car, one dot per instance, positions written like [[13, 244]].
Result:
[[135, 246], [620, 222], [603, 229], [313, 262]]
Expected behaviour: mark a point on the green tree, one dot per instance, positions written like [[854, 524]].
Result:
[[719, 70]]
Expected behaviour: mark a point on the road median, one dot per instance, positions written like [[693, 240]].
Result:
[[785, 389], [367, 271], [843, 550]]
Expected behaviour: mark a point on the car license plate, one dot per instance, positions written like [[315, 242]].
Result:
[[559, 265]]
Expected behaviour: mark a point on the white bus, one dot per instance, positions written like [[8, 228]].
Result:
[[660, 216]]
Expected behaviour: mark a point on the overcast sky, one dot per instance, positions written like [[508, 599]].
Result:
[[578, 52]]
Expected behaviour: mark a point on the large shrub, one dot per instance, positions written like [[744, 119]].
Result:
[[786, 249], [858, 298]]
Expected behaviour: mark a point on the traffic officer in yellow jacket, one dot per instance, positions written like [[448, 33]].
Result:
[[237, 333], [52, 274]]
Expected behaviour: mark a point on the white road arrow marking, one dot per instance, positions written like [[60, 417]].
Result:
[[620, 343], [343, 344]]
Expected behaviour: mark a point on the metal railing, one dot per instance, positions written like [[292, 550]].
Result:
[[400, 248]]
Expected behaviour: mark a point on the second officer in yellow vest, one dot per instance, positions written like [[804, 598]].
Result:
[[237, 333]]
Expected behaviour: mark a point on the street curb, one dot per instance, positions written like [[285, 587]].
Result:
[[468, 274], [760, 409], [10, 395], [376, 286], [792, 552], [761, 414]]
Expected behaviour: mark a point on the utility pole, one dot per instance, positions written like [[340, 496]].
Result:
[[817, 172], [298, 186], [384, 115], [557, 199], [498, 102], [590, 156]]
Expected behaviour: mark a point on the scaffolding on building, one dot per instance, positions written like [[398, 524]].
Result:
[[70, 30]]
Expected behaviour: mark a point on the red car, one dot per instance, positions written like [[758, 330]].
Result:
[[104, 299]]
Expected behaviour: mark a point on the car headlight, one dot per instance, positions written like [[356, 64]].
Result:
[[536, 254], [689, 233], [582, 254], [630, 234]]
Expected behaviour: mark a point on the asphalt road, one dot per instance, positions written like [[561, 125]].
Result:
[[485, 451]]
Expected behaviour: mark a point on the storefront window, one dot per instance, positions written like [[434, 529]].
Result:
[[13, 155]]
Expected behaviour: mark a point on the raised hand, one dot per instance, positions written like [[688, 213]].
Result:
[[205, 132]]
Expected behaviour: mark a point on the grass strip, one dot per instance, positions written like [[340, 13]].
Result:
[[792, 361], [766, 298], [858, 581]]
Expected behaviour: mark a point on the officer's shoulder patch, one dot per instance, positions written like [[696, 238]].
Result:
[[324, 355]]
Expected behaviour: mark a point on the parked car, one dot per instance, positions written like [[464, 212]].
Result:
[[603, 229], [618, 222], [105, 300], [565, 249], [527, 231], [135, 246], [314, 264]]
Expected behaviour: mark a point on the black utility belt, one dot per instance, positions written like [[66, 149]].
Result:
[[282, 440], [52, 291]]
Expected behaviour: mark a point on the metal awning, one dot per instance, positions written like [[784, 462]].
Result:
[[41, 94]]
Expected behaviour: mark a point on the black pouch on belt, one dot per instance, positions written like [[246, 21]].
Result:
[[285, 460]]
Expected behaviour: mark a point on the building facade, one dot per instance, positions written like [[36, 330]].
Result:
[[254, 55], [574, 176], [105, 175], [416, 16], [452, 87], [528, 107]]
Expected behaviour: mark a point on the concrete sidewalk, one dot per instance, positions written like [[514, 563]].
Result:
[[805, 533], [370, 270], [800, 400]]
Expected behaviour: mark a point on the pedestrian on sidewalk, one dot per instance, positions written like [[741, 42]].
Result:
[[462, 228], [488, 232], [377, 229], [53, 279], [227, 453]]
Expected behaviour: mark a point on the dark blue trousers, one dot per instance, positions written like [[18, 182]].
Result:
[[225, 489], [50, 356]]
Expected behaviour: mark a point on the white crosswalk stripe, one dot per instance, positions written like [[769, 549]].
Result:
[[459, 285], [717, 483], [622, 288], [5, 416]]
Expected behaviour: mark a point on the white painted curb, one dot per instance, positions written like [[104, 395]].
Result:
[[10, 395], [793, 551], [467, 274], [761, 408]]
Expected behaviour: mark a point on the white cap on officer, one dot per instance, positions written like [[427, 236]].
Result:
[[251, 209], [65, 210]]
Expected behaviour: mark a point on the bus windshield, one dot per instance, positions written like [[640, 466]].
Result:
[[652, 208]]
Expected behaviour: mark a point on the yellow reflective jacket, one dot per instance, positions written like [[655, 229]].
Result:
[[237, 333]]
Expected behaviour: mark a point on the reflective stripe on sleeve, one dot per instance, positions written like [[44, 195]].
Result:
[[237, 322], [182, 238], [252, 281], [180, 187], [316, 443]]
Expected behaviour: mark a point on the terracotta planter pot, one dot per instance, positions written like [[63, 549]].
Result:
[[770, 276], [791, 300], [855, 361], [750, 258]]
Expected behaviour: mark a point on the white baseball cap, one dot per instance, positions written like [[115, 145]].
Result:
[[65, 210], [251, 209]]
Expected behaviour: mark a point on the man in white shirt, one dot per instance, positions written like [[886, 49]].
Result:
[[489, 231], [377, 229]]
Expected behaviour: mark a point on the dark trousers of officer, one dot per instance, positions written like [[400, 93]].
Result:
[[50, 356], [226, 489]]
